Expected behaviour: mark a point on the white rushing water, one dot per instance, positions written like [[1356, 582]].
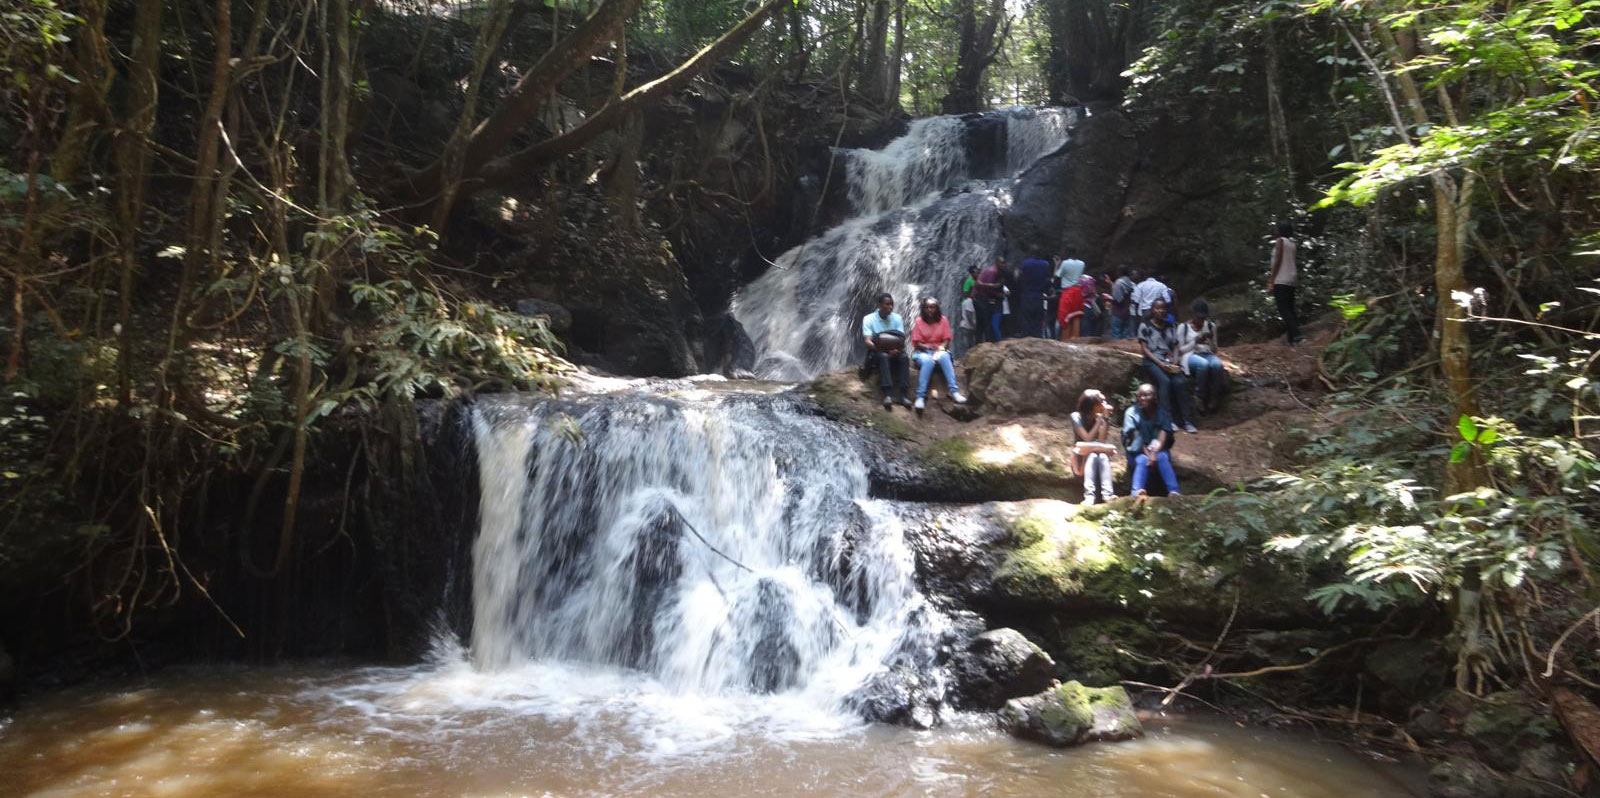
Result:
[[720, 546], [924, 214]]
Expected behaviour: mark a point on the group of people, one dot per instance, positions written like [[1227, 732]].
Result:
[[1180, 360]]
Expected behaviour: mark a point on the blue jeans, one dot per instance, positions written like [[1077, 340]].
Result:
[[1206, 371], [1121, 327], [1141, 471], [1173, 390], [925, 362]]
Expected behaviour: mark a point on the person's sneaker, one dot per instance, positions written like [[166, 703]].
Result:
[[1088, 501], [919, 405], [959, 397], [887, 402], [905, 400], [1190, 428]]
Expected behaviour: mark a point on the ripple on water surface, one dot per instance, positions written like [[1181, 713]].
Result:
[[558, 730]]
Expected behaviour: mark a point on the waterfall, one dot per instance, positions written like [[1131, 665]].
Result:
[[924, 213], [723, 544]]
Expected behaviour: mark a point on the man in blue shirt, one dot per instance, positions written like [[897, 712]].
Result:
[[1035, 284], [1147, 433], [884, 333]]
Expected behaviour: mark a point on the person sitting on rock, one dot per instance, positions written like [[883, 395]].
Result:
[[1197, 351], [1092, 448], [1147, 435], [1159, 344], [885, 335], [930, 347]]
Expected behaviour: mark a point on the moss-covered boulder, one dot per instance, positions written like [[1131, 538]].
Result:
[[1187, 559], [1071, 714]]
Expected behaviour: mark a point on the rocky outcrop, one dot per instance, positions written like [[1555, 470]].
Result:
[[1033, 375], [997, 666], [1071, 714]]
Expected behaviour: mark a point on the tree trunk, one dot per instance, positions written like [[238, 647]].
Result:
[[86, 110], [133, 164], [614, 113], [892, 95], [489, 36], [1276, 121], [529, 94], [977, 50], [874, 68]]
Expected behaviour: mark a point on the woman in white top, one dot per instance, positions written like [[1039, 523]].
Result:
[[1197, 353], [1281, 279], [1092, 447]]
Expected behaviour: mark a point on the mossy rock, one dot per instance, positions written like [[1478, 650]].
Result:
[[958, 469], [1072, 714], [1184, 559]]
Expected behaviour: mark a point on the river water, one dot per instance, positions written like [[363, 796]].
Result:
[[449, 730]]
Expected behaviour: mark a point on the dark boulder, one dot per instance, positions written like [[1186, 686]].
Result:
[[900, 696], [556, 315], [728, 348], [997, 666], [8, 677], [1023, 376]]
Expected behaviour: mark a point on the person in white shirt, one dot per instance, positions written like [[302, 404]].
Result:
[[1197, 353], [1069, 272], [1281, 280], [1147, 292]]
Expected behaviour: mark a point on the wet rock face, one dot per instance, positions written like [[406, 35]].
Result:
[[1071, 714], [900, 696], [997, 666], [556, 316], [1032, 375], [7, 677]]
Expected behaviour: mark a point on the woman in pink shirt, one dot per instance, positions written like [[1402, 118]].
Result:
[[930, 343]]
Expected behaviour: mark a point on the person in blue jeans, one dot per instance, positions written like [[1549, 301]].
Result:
[[1197, 348], [1123, 321], [1158, 342], [1147, 435]]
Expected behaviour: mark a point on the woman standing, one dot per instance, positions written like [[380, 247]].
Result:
[[1281, 280], [1092, 447]]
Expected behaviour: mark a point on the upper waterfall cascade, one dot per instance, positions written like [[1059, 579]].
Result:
[[925, 211], [721, 545]]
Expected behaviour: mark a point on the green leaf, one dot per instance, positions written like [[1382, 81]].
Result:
[[1459, 452], [1468, 428], [1487, 437]]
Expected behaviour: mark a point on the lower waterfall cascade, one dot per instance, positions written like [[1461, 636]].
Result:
[[719, 545]]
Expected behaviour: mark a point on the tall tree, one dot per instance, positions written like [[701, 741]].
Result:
[[981, 32], [1092, 42]]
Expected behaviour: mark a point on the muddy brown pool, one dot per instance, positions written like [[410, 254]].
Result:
[[554, 731]]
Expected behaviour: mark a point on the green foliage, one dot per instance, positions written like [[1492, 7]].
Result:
[[1535, 81], [1361, 502]]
